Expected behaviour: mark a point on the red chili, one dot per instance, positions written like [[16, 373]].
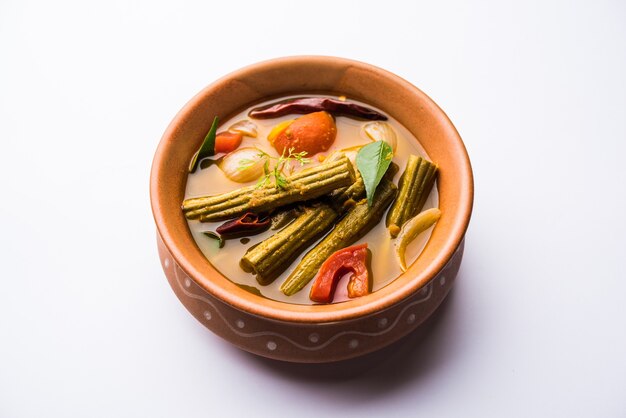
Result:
[[304, 105], [248, 224], [351, 259]]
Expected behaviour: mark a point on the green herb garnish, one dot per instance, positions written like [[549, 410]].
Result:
[[372, 161], [207, 148], [278, 171]]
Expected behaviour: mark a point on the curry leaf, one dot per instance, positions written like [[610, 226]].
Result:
[[215, 236], [372, 161], [207, 148]]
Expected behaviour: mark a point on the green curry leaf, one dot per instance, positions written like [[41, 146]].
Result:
[[215, 236], [207, 148], [372, 162]]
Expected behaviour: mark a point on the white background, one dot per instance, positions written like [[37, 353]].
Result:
[[536, 323]]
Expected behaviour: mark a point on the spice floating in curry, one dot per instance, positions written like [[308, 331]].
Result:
[[305, 105], [306, 180]]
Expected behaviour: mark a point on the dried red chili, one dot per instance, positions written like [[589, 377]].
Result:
[[248, 224], [304, 105], [348, 260]]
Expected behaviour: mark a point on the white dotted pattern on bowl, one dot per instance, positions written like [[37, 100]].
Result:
[[383, 323]]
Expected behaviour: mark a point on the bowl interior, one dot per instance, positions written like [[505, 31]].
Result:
[[301, 75]]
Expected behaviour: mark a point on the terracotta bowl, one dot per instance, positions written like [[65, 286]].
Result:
[[319, 333]]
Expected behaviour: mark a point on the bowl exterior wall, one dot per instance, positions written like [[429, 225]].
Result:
[[305, 342], [312, 333]]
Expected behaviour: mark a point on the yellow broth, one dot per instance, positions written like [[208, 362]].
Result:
[[384, 265]]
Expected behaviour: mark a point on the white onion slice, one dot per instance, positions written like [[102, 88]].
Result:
[[243, 165], [381, 131], [244, 127]]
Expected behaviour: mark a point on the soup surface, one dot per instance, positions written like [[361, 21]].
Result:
[[384, 265]]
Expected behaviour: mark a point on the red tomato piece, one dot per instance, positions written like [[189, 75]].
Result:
[[347, 260], [227, 142], [310, 133]]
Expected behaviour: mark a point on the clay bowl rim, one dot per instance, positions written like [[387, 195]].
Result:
[[183, 249]]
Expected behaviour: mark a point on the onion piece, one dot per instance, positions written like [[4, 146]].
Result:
[[350, 152], [244, 127], [243, 165], [411, 229], [381, 131]]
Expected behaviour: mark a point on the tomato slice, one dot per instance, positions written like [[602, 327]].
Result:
[[227, 142], [347, 260], [311, 133]]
